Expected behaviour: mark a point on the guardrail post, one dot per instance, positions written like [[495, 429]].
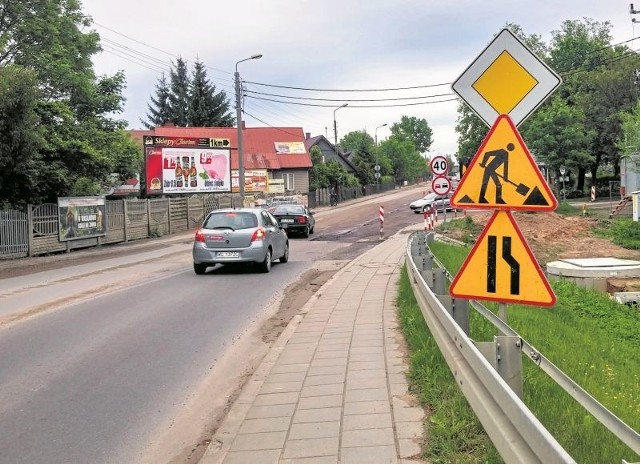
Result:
[[427, 276], [460, 313], [510, 362], [417, 247], [438, 281], [505, 355], [427, 261], [458, 309]]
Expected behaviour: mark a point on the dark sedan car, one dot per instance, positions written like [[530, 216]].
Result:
[[295, 218]]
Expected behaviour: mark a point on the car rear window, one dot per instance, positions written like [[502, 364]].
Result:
[[232, 220], [288, 210]]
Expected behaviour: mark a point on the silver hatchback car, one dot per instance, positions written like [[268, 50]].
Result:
[[243, 235]]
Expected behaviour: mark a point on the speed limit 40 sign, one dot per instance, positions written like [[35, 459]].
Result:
[[439, 165]]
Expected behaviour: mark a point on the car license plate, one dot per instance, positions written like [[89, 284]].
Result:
[[228, 254], [287, 221]]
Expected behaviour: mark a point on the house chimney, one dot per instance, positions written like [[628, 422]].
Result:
[[307, 135], [244, 125]]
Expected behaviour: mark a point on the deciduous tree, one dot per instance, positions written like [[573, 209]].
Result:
[[416, 130]]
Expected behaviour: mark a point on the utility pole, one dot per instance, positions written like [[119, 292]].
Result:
[[238, 91]]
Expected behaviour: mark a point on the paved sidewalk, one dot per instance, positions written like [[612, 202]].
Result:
[[333, 387]]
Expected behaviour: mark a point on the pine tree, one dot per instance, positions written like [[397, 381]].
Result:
[[179, 93], [207, 108], [188, 101], [160, 113], [199, 96], [219, 109]]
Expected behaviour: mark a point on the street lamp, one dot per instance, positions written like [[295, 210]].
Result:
[[335, 128], [239, 123], [376, 132], [377, 166]]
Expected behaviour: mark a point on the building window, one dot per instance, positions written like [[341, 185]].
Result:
[[288, 181]]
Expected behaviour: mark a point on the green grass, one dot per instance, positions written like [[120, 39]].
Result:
[[470, 230], [454, 434], [588, 336], [622, 231], [566, 209]]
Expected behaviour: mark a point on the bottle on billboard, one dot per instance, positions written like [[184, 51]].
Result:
[[193, 173], [178, 173]]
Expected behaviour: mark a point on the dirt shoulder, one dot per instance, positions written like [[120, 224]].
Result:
[[552, 236]]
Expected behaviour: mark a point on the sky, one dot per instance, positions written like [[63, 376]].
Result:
[[345, 51]]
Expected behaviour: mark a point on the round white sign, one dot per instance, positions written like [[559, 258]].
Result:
[[439, 165], [441, 185]]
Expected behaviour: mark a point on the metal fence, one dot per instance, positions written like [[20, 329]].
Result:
[[14, 229], [36, 231], [321, 197], [490, 373]]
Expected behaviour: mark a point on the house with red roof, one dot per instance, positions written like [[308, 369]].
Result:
[[277, 152]]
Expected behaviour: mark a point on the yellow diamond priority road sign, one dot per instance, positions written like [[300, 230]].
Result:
[[501, 267], [506, 78], [503, 175]]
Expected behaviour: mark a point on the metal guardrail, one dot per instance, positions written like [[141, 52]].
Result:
[[489, 374]]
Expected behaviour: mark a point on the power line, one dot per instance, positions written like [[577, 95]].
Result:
[[351, 99], [278, 128], [349, 90], [123, 53], [130, 60], [354, 106], [115, 44]]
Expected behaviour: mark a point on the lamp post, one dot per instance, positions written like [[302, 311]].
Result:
[[377, 166], [335, 128], [239, 123], [376, 132]]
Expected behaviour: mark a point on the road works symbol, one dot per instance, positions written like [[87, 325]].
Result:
[[503, 175], [501, 267]]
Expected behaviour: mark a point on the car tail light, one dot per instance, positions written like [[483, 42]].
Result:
[[199, 235], [301, 220], [259, 234]]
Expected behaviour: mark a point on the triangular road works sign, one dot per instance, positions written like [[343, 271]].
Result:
[[501, 267], [503, 175]]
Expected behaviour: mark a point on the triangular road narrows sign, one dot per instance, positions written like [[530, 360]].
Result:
[[503, 175], [501, 267]]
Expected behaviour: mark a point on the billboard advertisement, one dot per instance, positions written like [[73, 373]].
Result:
[[187, 165], [255, 180], [81, 217]]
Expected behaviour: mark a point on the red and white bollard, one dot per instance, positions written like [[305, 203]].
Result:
[[381, 217]]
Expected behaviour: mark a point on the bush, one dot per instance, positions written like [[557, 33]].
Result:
[[575, 194]]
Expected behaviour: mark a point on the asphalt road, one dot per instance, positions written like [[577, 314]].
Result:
[[100, 359]]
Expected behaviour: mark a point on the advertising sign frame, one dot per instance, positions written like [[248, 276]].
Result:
[[81, 217], [176, 165]]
